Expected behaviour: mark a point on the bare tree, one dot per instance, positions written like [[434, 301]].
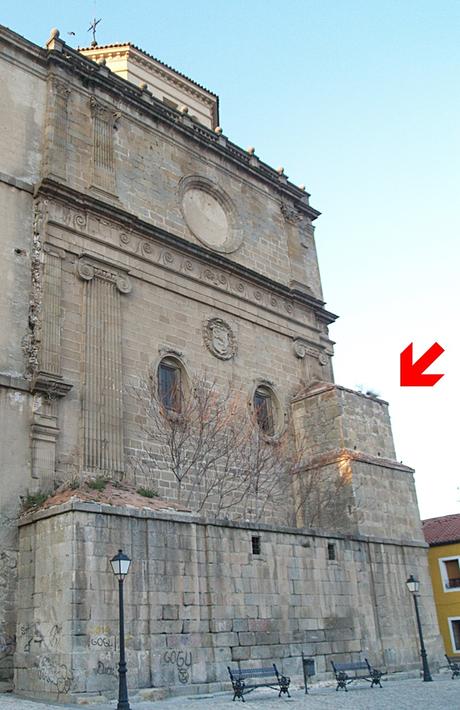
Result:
[[221, 461]]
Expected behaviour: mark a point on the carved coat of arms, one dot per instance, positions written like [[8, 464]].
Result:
[[219, 338]]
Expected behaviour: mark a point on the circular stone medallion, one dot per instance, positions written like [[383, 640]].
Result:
[[205, 217]]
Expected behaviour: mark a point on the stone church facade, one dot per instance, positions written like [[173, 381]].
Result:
[[135, 236]]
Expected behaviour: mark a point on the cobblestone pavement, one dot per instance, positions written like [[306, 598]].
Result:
[[442, 694]]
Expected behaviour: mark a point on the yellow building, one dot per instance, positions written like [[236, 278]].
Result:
[[443, 536]]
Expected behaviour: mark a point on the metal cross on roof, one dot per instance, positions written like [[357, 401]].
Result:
[[92, 28]]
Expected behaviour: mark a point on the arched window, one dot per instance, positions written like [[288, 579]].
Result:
[[264, 408], [170, 384]]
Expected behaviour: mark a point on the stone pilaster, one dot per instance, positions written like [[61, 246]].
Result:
[[45, 431], [56, 130], [103, 402], [104, 122]]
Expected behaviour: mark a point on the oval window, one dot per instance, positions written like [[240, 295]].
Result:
[[264, 407], [170, 384]]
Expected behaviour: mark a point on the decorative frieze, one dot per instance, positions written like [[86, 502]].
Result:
[[206, 274], [173, 260], [102, 400]]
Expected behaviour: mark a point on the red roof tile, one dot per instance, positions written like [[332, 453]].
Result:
[[442, 530]]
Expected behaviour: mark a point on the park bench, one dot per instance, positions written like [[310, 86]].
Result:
[[346, 673], [454, 665], [246, 680]]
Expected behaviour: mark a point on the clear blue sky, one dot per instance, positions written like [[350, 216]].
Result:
[[359, 100]]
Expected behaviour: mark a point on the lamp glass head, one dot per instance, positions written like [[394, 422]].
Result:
[[120, 564], [413, 584]]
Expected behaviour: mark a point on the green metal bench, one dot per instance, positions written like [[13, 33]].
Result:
[[346, 673], [454, 665]]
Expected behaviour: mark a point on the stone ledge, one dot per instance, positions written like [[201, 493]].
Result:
[[337, 455], [98, 508], [321, 387], [14, 382], [16, 182]]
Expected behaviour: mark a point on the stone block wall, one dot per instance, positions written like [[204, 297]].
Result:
[[334, 417], [198, 599]]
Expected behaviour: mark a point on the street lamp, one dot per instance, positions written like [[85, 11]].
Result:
[[413, 586], [120, 565]]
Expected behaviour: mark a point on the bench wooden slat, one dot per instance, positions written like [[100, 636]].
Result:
[[358, 665]]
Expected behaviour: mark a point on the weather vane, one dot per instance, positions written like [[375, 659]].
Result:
[[92, 28]]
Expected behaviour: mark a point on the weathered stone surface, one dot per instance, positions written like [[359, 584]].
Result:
[[129, 230], [354, 609]]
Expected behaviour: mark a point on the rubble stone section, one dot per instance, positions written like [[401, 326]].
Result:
[[198, 599]]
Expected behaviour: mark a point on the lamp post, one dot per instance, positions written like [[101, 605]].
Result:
[[413, 586], [120, 565]]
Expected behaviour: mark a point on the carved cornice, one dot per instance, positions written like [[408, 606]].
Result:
[[169, 251], [71, 61]]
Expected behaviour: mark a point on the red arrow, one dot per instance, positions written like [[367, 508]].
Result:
[[413, 373]]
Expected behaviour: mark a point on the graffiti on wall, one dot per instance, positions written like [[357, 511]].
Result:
[[103, 669], [30, 633], [55, 673], [55, 635], [102, 641], [182, 660], [7, 644]]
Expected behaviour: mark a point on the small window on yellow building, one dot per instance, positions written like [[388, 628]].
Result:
[[450, 573], [454, 627]]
